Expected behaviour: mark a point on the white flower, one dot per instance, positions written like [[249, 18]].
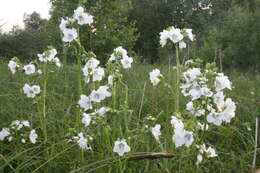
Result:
[[98, 74], [33, 136], [26, 123], [12, 66], [85, 102], [102, 111], [83, 142], [175, 35], [4, 133], [191, 74], [218, 99], [215, 118], [63, 24], [182, 45], [164, 35], [126, 62], [112, 57], [211, 152], [82, 17], [86, 119], [182, 137], [96, 96], [103, 91], [23, 141], [69, 35], [57, 62], [206, 91], [121, 147], [110, 80], [228, 110], [36, 89], [190, 35], [176, 123], [199, 159], [189, 106], [42, 57], [200, 112], [222, 82], [120, 50], [92, 63], [195, 93], [31, 91], [156, 131], [155, 76], [51, 54], [39, 71]]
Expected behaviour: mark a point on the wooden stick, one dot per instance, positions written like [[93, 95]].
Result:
[[155, 156]]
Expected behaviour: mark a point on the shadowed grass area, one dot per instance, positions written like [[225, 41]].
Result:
[[234, 142]]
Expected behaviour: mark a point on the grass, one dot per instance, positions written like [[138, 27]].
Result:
[[234, 142]]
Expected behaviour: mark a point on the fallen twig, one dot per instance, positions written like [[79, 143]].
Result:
[[155, 156]]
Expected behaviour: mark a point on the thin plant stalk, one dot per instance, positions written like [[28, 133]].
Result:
[[176, 106]]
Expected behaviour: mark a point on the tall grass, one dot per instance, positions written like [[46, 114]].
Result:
[[235, 143]]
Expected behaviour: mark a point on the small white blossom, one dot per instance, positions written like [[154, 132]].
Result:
[[82, 17], [222, 82], [69, 35], [182, 45], [31, 91], [182, 137], [190, 35], [155, 77], [102, 111], [110, 80], [63, 24], [121, 147], [156, 132], [199, 159], [12, 66], [4, 133], [33, 136], [85, 102], [86, 119], [176, 123], [126, 62], [83, 142], [98, 74]]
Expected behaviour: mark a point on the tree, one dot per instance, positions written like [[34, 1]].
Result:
[[25, 43], [111, 24]]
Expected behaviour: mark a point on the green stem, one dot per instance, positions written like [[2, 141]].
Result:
[[44, 102], [177, 80], [78, 124]]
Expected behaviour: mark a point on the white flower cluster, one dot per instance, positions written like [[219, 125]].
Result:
[[209, 152], [121, 54], [207, 98], [11, 132], [91, 69], [155, 76], [176, 35], [181, 136], [50, 56], [121, 147], [31, 91], [70, 34], [96, 96]]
